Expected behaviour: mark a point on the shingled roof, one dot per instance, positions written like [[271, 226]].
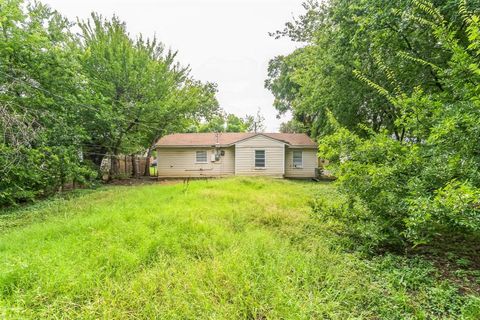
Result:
[[229, 138]]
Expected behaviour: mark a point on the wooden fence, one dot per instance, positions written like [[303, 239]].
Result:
[[125, 166]]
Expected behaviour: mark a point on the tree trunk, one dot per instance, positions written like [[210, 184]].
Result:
[[113, 172], [149, 155], [146, 171], [134, 166]]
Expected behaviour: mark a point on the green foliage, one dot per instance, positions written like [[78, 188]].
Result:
[[141, 93], [231, 248], [292, 126], [231, 123], [427, 184], [39, 172], [40, 80], [367, 38], [67, 100]]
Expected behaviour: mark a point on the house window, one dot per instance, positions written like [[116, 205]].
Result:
[[201, 157], [259, 158], [297, 159]]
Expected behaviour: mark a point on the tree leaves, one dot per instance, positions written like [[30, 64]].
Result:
[[67, 100], [404, 145]]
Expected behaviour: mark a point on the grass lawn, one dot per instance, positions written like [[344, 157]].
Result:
[[220, 249]]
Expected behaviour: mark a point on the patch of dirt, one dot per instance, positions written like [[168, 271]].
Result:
[[457, 259], [144, 181], [170, 181]]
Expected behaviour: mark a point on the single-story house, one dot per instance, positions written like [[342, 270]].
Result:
[[280, 155]]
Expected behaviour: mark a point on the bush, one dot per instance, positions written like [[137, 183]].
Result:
[[424, 183], [31, 173], [396, 195]]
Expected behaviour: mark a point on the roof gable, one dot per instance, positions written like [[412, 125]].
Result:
[[260, 135]]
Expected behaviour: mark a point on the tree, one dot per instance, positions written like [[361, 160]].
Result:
[[68, 100], [343, 36], [40, 98], [186, 104], [140, 92], [425, 186], [255, 123], [292, 126], [224, 122]]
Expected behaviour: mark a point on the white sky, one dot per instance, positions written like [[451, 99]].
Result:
[[224, 41]]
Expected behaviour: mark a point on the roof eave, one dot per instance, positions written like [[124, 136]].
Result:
[[194, 146], [299, 146], [292, 146]]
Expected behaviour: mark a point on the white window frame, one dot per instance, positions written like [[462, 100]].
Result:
[[206, 156], [264, 159], [293, 159]]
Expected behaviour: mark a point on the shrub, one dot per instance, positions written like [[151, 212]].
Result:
[[39, 172], [424, 183]]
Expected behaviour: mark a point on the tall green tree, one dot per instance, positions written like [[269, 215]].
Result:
[[367, 36], [67, 100], [140, 91], [40, 99], [426, 186], [292, 126], [228, 122]]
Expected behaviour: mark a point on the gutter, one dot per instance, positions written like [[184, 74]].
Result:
[[228, 146]]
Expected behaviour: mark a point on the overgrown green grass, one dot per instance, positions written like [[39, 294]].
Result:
[[220, 249]]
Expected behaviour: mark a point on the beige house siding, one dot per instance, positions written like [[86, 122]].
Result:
[[310, 163], [274, 157], [180, 162]]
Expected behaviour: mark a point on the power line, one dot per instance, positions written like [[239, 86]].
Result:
[[143, 124], [65, 99], [62, 145]]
